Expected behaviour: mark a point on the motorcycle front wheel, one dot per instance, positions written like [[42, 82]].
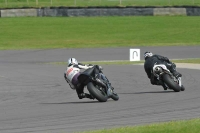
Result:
[[114, 95]]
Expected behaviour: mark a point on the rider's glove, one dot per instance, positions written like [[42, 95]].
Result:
[[174, 65], [99, 67]]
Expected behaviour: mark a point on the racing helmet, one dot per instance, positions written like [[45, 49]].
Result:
[[147, 54], [72, 61]]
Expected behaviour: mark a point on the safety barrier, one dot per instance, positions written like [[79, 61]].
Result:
[[109, 11]]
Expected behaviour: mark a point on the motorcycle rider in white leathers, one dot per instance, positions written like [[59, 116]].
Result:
[[74, 70], [71, 76]]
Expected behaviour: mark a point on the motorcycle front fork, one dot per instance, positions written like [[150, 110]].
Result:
[[179, 81]]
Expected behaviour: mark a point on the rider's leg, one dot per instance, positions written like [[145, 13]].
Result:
[[172, 68], [79, 88], [162, 84], [80, 93], [155, 81]]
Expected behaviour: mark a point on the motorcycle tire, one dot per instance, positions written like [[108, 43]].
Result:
[[170, 83], [101, 96], [115, 96], [182, 88]]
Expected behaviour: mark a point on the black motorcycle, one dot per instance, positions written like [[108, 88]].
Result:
[[97, 85]]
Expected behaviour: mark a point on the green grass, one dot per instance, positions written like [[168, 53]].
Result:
[[184, 126], [101, 62], [126, 62], [85, 3], [193, 61], [84, 32]]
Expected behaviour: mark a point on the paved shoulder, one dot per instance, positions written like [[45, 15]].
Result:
[[188, 65]]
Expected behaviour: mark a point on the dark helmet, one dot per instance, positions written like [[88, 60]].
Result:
[[147, 54]]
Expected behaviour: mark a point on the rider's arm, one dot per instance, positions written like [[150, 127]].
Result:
[[83, 66], [163, 58]]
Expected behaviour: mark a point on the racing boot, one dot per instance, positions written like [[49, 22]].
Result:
[[85, 95], [159, 82], [81, 96], [176, 74], [164, 87], [89, 96]]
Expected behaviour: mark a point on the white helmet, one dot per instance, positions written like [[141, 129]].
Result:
[[72, 61], [147, 54]]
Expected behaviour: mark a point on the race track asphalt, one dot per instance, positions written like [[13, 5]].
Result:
[[35, 98]]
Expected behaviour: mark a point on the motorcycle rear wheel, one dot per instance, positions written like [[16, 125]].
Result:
[[170, 83], [100, 95]]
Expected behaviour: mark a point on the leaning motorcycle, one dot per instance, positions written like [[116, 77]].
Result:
[[97, 85], [161, 72]]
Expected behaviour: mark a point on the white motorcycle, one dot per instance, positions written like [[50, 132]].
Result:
[[161, 72]]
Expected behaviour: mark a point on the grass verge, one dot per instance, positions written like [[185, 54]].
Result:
[[183, 126], [94, 32], [85, 3], [126, 62]]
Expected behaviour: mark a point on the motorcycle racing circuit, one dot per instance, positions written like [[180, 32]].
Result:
[[34, 97]]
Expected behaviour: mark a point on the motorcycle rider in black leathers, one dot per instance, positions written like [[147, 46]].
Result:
[[150, 60]]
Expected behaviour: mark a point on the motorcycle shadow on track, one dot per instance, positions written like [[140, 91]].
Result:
[[82, 102], [149, 92]]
